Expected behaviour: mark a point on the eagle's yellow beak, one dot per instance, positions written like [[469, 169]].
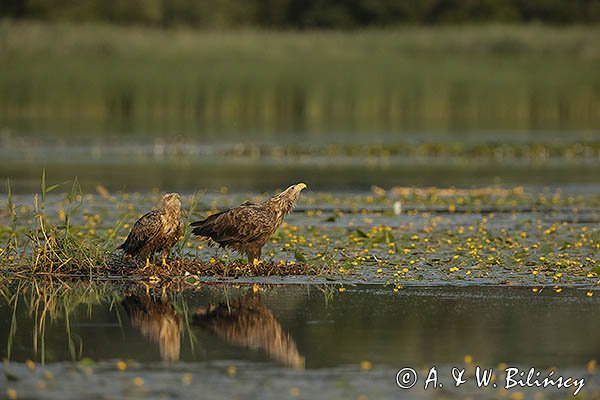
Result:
[[301, 186]]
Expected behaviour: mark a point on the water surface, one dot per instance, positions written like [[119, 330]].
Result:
[[286, 341]]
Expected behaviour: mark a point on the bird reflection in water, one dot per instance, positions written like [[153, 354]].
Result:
[[156, 319], [247, 322]]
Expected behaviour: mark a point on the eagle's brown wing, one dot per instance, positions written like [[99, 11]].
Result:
[[237, 225], [148, 227]]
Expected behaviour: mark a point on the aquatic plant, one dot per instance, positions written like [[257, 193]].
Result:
[[396, 235]]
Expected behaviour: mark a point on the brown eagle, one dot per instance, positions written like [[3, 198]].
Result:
[[248, 227], [156, 231]]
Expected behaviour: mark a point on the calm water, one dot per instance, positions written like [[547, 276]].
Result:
[[287, 341], [156, 160]]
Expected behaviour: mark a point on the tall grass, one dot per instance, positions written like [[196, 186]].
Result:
[[139, 79], [189, 214], [53, 245]]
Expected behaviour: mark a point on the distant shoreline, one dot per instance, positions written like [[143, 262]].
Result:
[[380, 80]]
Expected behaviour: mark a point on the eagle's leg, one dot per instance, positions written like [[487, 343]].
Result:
[[164, 255], [145, 256], [253, 255], [147, 286]]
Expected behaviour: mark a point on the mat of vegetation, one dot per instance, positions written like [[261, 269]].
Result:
[[69, 77], [398, 236]]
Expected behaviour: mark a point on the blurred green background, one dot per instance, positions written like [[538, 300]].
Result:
[[304, 13], [180, 95]]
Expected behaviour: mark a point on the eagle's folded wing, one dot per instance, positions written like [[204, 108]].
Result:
[[240, 224], [148, 227]]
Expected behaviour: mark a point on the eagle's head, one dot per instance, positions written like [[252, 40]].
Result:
[[171, 202], [293, 192], [286, 200]]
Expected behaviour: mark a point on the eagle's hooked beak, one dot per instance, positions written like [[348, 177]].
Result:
[[301, 186]]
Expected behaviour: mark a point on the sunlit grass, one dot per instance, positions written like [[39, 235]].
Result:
[[47, 246]]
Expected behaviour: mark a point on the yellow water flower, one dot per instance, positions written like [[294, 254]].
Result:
[[591, 366], [186, 379], [517, 396]]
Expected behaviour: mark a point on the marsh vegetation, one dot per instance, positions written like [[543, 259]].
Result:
[[86, 80], [400, 236]]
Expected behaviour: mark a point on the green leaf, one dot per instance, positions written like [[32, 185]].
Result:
[[299, 256], [389, 238], [52, 187], [87, 362], [361, 233], [191, 280]]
